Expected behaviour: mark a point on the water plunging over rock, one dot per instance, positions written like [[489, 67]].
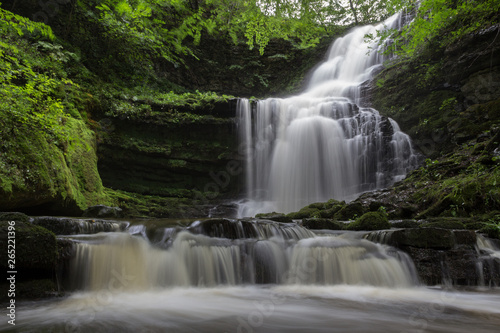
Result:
[[323, 144], [234, 252]]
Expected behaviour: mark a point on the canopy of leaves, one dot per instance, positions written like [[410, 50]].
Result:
[[442, 22]]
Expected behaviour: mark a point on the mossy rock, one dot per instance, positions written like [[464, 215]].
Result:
[[224, 228], [350, 211], [453, 224], [474, 225], [491, 230], [329, 213], [321, 223], [14, 216], [277, 217], [36, 247], [435, 238], [370, 221], [304, 213], [318, 205], [405, 224], [36, 289]]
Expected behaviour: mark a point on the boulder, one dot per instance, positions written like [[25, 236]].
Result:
[[103, 211], [370, 221]]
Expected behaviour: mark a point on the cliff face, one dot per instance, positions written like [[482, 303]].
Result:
[[446, 96], [39, 176], [448, 101], [193, 154]]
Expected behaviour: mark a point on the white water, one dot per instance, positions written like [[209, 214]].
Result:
[[294, 308], [211, 284], [323, 144], [278, 254]]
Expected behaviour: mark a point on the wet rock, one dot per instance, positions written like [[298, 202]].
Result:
[[69, 226], [444, 223], [103, 211], [321, 223], [224, 210], [278, 217], [14, 216], [456, 266], [36, 247], [223, 228], [434, 238], [405, 224]]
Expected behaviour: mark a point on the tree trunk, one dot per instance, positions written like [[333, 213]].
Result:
[[354, 12]]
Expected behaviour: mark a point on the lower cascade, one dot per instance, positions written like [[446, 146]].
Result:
[[276, 253]]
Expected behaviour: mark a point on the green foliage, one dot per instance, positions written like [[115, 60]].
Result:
[[441, 23], [370, 221], [43, 150], [11, 23]]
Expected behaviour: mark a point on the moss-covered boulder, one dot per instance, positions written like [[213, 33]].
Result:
[[14, 216], [370, 221], [278, 217], [36, 247], [304, 213], [42, 176], [350, 211]]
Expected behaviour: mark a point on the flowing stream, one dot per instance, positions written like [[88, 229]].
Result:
[[249, 276], [323, 143]]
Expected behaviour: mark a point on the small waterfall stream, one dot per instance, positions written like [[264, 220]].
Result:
[[249, 276], [232, 252], [323, 143]]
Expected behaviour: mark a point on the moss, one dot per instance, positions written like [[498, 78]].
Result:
[[406, 224], [444, 224], [36, 247], [370, 221], [62, 174], [278, 217], [14, 216], [304, 213], [491, 230], [350, 211], [140, 205]]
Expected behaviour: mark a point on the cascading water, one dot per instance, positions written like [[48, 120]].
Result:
[[322, 144], [248, 276], [225, 252]]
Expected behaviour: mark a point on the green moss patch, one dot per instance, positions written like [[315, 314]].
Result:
[[370, 221]]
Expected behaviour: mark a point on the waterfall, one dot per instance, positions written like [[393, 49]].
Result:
[[323, 143], [241, 252]]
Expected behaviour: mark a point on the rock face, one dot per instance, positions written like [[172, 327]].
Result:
[[36, 256], [193, 154], [56, 178], [444, 96], [68, 226]]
